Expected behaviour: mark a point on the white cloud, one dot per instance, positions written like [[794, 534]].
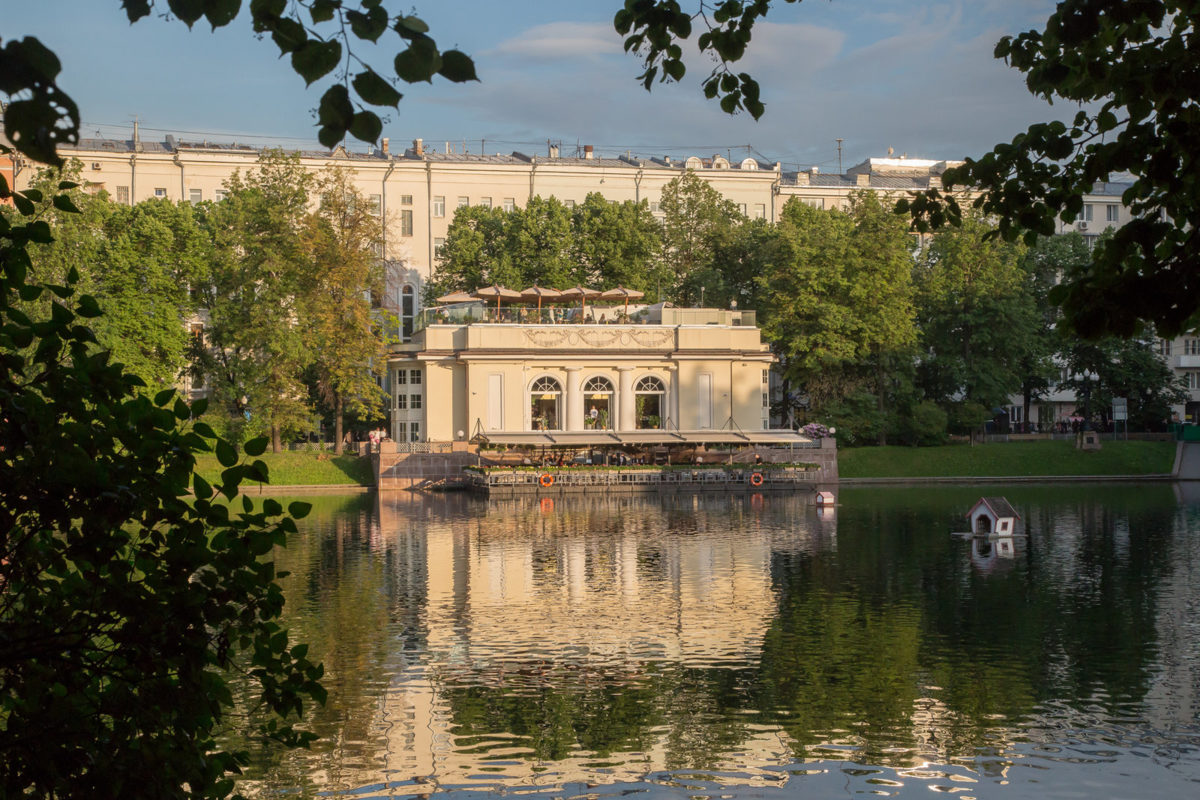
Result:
[[561, 41]]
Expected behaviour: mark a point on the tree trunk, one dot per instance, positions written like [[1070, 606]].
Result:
[[276, 442], [1028, 401], [337, 425]]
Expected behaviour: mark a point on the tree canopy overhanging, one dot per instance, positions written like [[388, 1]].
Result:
[[1129, 65]]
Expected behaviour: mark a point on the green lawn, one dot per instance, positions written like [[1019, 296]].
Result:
[[302, 469], [1004, 460]]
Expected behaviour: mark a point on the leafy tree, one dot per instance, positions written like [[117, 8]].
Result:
[[347, 343], [138, 262], [538, 244], [1116, 59], [124, 604], [975, 316], [697, 221], [255, 296], [474, 253], [807, 319], [1114, 367], [617, 244]]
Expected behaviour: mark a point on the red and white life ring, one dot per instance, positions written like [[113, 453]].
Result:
[[547, 480], [756, 479]]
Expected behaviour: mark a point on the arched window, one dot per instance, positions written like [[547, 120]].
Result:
[[408, 310], [749, 163], [693, 163], [649, 400], [719, 163], [545, 401], [598, 405]]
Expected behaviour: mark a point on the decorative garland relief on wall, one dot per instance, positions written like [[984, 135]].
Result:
[[601, 338]]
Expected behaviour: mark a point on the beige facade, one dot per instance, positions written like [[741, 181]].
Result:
[[682, 370]]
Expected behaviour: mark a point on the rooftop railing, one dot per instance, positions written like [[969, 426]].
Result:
[[481, 312]]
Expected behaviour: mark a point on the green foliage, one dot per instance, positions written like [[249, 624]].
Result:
[[697, 223], [124, 605], [921, 425], [1121, 63], [598, 244], [857, 418], [976, 316], [966, 417], [254, 296], [1114, 367], [346, 337]]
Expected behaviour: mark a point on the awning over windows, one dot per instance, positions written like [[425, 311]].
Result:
[[610, 438]]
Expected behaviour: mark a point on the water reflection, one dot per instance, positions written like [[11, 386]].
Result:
[[714, 644]]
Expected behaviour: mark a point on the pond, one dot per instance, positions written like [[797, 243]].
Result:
[[737, 645]]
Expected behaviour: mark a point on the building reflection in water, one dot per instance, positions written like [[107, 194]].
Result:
[[570, 605]]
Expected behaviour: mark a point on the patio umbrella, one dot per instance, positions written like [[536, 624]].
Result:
[[540, 292], [621, 293], [498, 292], [583, 293], [455, 297]]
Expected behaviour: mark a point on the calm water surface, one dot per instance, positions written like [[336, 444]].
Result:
[[731, 646]]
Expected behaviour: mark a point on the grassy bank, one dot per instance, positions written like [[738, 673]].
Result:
[[1004, 460], [303, 469]]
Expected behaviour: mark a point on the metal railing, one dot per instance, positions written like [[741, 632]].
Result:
[[645, 477]]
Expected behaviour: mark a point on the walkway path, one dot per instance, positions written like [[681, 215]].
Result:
[[1187, 462]]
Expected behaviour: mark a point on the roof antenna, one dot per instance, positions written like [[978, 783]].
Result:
[[839, 141]]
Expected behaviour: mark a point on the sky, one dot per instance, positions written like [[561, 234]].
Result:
[[917, 76]]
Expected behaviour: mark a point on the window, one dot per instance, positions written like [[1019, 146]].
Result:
[[463, 201], [815, 202], [414, 431], [653, 207], [438, 243], [414, 377], [375, 205], [160, 193], [123, 195], [1164, 347], [406, 200], [742, 209], [406, 222], [408, 308], [760, 211], [486, 202], [569, 203], [544, 395], [195, 195], [402, 402], [509, 204], [401, 431], [766, 398], [1112, 212], [439, 206], [414, 401], [1191, 347], [649, 403], [401, 377], [1087, 212], [766, 377], [1193, 379], [220, 194]]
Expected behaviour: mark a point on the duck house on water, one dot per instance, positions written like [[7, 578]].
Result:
[[994, 516]]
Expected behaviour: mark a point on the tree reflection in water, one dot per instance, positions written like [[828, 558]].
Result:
[[628, 641]]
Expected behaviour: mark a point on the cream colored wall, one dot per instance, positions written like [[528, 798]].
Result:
[[460, 358]]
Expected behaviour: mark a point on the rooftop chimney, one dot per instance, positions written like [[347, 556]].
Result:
[[815, 170], [383, 145], [862, 179], [552, 151], [588, 152], [419, 147]]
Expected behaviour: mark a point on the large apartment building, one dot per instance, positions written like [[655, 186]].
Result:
[[417, 190]]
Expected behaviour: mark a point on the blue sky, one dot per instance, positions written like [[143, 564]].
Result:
[[917, 76]]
